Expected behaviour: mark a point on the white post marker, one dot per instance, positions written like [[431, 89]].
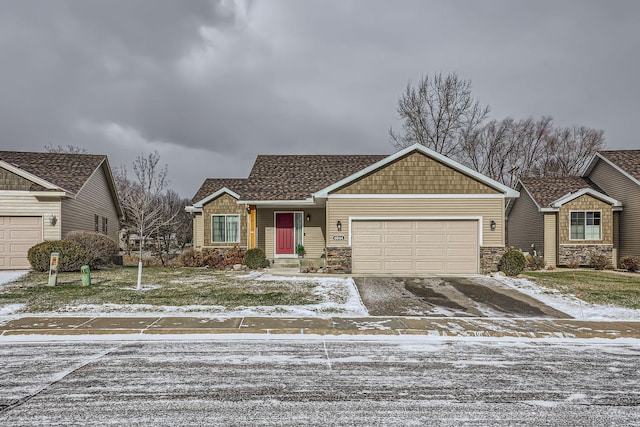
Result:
[[53, 268]]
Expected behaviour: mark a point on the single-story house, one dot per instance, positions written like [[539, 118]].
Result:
[[412, 212], [43, 196], [564, 220], [617, 172]]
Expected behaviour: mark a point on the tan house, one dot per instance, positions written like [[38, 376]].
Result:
[[617, 172], [413, 212], [564, 220], [43, 196]]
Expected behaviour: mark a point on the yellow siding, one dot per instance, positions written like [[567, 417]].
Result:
[[224, 205], [16, 203], [198, 231], [487, 208], [525, 224], [416, 174], [550, 244], [314, 231], [586, 203], [626, 191], [93, 199]]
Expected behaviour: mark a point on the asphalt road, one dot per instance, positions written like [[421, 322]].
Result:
[[320, 382]]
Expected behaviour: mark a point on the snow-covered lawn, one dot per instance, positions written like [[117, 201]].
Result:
[[336, 296], [569, 304]]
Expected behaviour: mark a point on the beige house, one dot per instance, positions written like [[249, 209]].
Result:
[[43, 196], [617, 172], [413, 212], [564, 220]]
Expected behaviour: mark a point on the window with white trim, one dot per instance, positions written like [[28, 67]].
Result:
[[586, 225], [225, 228]]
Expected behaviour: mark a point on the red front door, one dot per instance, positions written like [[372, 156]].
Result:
[[284, 234]]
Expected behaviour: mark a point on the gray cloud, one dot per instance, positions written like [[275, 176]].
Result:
[[210, 84]]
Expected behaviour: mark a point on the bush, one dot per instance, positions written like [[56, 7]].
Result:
[[630, 263], [213, 258], [599, 262], [535, 262], [512, 262], [72, 255], [255, 258], [574, 263], [101, 247]]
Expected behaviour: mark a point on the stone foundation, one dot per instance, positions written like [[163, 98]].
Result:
[[581, 254], [339, 260], [490, 258]]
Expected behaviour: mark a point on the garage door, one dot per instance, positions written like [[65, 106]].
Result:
[[17, 235], [420, 247]]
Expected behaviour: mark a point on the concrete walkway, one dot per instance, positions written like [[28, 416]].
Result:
[[439, 327]]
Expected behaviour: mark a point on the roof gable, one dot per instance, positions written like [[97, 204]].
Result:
[[627, 162], [417, 148], [214, 186], [552, 192], [53, 171]]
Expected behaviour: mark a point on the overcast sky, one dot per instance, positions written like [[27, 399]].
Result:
[[211, 84]]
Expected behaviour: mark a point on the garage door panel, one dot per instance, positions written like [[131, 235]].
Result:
[[398, 238], [17, 236], [421, 246], [398, 252]]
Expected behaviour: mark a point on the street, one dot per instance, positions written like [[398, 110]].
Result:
[[321, 381]]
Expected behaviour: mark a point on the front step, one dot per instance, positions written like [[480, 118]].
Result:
[[285, 263]]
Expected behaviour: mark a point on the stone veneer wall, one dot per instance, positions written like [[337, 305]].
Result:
[[490, 258], [339, 260], [582, 253]]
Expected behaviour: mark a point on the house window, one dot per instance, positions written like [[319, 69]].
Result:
[[586, 225], [96, 219], [225, 228], [104, 225]]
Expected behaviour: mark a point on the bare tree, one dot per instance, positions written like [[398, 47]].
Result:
[[141, 199], [176, 229], [440, 113], [70, 149]]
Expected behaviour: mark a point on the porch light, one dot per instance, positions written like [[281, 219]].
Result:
[[339, 226], [308, 217], [493, 225], [53, 220]]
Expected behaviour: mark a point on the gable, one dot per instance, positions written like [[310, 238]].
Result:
[[416, 173], [13, 182]]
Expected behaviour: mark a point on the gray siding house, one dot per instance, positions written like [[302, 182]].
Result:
[[43, 196]]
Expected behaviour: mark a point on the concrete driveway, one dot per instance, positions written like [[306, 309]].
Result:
[[476, 296]]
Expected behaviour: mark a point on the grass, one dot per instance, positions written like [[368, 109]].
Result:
[[598, 287], [161, 287]]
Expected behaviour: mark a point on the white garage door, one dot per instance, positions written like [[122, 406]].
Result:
[[420, 247], [17, 235]]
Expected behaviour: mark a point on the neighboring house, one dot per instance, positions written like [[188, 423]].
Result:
[[412, 212], [618, 174], [43, 196], [565, 220]]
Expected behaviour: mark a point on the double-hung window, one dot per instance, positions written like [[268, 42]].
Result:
[[225, 228], [586, 225]]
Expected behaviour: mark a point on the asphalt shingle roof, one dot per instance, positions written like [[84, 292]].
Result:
[[211, 185], [67, 171], [549, 189], [290, 177], [627, 160]]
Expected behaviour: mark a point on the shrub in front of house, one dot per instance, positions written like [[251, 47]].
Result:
[[630, 263], [221, 259], [534, 262], [512, 262], [599, 262], [255, 258], [102, 248], [72, 255]]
